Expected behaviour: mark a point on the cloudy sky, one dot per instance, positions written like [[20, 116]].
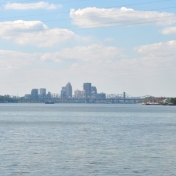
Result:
[[116, 45]]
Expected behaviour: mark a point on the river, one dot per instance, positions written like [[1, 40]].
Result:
[[87, 140]]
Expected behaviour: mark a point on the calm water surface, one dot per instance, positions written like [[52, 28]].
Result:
[[87, 140]]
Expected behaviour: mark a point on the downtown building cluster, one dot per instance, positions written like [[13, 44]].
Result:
[[88, 91], [66, 92], [38, 94]]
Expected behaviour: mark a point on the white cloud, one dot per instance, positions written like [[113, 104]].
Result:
[[152, 72], [34, 33], [96, 17], [169, 30], [10, 60], [28, 6], [166, 50], [92, 53]]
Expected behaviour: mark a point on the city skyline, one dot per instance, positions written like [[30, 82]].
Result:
[[89, 94], [81, 88], [66, 92], [116, 45]]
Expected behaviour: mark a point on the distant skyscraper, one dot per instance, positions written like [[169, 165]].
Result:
[[93, 90], [49, 95], [34, 93], [87, 88], [124, 95], [68, 90], [43, 92], [63, 92]]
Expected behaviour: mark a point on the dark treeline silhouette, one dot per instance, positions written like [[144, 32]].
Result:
[[7, 99]]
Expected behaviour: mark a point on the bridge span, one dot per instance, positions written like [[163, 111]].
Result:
[[107, 98]]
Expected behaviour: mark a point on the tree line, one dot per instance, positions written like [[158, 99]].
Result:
[[7, 99], [173, 100]]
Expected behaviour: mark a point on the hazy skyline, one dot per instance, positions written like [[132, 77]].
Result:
[[117, 46]]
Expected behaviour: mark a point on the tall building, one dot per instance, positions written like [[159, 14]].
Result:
[[34, 93], [68, 90], [87, 88], [49, 96], [93, 90], [43, 92], [124, 95], [63, 92]]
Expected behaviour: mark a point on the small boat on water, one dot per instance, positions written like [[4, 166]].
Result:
[[145, 104], [49, 102], [151, 103]]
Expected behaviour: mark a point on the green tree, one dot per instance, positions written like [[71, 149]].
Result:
[[173, 100]]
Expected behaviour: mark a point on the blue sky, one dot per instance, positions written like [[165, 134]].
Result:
[[116, 45]]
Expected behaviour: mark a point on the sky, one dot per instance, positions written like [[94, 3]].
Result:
[[118, 46]]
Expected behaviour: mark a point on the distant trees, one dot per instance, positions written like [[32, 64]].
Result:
[[173, 100], [7, 99]]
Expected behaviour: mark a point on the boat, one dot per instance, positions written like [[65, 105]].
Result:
[[151, 103], [49, 102], [145, 104]]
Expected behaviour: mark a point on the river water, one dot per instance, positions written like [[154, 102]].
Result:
[[87, 140]]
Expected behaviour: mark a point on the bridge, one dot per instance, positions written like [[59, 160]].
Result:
[[108, 98]]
